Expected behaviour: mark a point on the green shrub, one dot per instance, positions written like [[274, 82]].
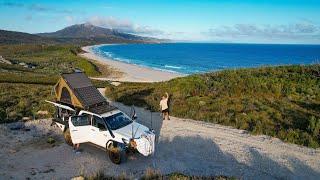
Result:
[[23, 100], [314, 126], [282, 101], [48, 59]]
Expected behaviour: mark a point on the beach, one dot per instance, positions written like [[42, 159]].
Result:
[[130, 72]]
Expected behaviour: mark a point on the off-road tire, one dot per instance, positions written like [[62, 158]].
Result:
[[114, 154], [67, 137]]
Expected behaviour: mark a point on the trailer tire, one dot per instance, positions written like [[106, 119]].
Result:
[[67, 137], [114, 153]]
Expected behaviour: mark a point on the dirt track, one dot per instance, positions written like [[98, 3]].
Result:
[[186, 146]]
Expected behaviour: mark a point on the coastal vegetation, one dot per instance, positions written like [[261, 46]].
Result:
[[282, 101], [45, 59], [24, 100], [28, 74]]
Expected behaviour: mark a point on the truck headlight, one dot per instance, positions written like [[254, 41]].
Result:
[[133, 143]]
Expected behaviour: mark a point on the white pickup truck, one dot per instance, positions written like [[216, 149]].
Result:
[[113, 131]]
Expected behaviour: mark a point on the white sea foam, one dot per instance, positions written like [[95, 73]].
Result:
[[121, 59], [106, 54], [173, 67], [164, 70]]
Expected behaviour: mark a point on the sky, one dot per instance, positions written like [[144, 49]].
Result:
[[236, 21]]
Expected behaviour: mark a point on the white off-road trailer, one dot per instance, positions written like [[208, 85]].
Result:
[[84, 116]]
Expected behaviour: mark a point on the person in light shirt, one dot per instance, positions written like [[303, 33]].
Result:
[[164, 107]]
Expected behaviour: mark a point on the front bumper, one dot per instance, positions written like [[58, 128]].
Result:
[[146, 143]]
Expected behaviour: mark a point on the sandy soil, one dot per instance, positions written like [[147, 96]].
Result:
[[187, 146], [131, 72]]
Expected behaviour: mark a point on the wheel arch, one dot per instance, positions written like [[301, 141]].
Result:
[[109, 143], [114, 143]]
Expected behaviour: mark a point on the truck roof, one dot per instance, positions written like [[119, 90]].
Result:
[[102, 109]]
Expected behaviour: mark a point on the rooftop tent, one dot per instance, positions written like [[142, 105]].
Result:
[[76, 89]]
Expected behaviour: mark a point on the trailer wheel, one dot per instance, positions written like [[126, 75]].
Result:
[[67, 137], [114, 154]]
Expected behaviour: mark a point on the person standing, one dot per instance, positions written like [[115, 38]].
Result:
[[164, 107]]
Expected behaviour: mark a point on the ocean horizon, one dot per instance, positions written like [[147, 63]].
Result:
[[191, 58]]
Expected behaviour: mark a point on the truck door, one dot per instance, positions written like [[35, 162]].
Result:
[[79, 128], [99, 132]]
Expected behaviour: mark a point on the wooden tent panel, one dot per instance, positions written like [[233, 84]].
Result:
[[60, 96], [76, 89], [65, 96]]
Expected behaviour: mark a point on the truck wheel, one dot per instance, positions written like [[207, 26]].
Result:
[[67, 137], [114, 154]]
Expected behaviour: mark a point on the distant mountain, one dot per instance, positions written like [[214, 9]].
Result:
[[97, 34], [12, 37], [79, 34]]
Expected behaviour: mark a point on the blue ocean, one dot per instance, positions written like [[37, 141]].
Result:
[[190, 58]]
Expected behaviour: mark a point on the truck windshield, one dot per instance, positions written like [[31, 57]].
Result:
[[117, 121]]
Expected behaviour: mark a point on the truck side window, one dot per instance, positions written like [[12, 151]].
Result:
[[80, 120], [98, 122]]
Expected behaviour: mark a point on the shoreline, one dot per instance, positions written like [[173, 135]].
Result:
[[130, 72]]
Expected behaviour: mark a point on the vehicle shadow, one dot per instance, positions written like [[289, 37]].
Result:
[[298, 170], [195, 155]]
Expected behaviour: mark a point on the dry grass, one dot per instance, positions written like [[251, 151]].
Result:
[[153, 174]]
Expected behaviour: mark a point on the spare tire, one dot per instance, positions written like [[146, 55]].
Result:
[[67, 137]]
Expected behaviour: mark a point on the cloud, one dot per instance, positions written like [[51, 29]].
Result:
[[69, 19], [299, 31], [122, 25], [12, 4], [107, 7], [111, 22], [37, 7]]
